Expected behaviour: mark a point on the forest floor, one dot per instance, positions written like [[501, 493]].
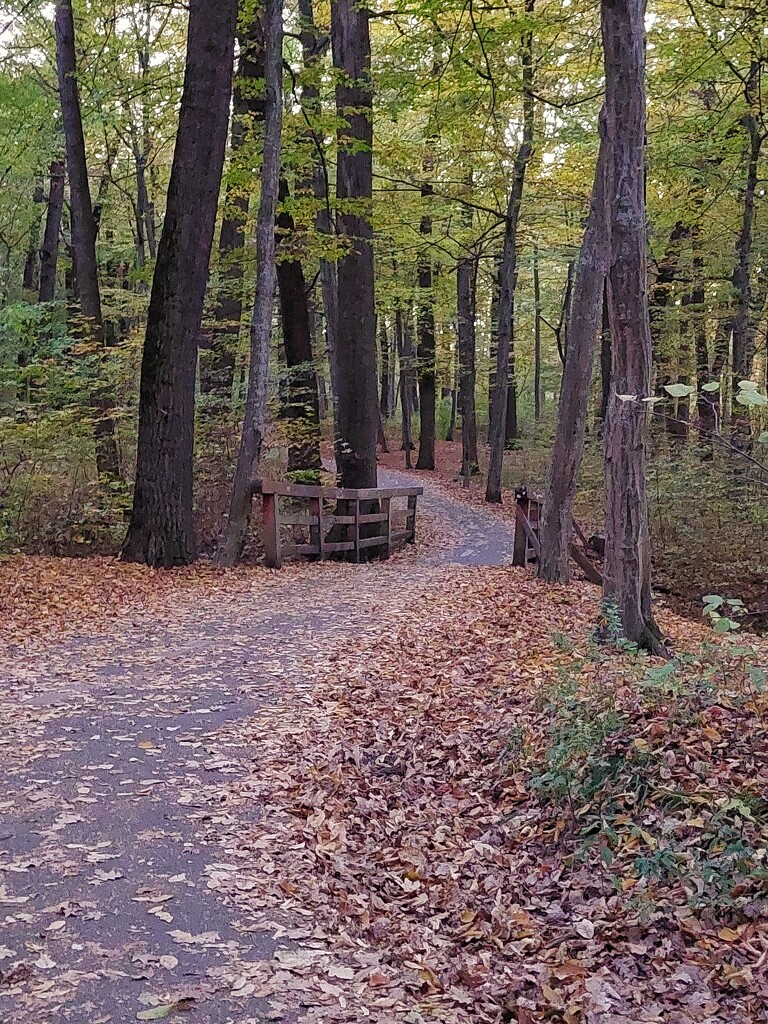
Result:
[[334, 794]]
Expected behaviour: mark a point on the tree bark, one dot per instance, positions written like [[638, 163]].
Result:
[[162, 527], [536, 337], [405, 353], [503, 424], [249, 454], [743, 327], [217, 370], [302, 406], [356, 323], [627, 577], [31, 274], [384, 369], [605, 361], [83, 228], [556, 526], [49, 254], [466, 306]]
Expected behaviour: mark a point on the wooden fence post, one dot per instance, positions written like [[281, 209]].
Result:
[[272, 555], [520, 549], [357, 529], [386, 506]]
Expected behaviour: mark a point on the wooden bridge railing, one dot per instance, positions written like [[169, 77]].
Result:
[[320, 522], [527, 547]]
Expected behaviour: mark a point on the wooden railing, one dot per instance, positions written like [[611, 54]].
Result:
[[358, 533], [527, 547]]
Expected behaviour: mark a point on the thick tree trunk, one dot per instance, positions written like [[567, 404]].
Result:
[[627, 586], [49, 254], [556, 526], [313, 46], [249, 454], [503, 424], [356, 322], [217, 368], [83, 228], [426, 335], [162, 527], [466, 305], [302, 407]]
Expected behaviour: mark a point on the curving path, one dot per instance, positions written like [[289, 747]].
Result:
[[113, 768]]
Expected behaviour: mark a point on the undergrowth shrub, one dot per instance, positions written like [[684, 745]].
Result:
[[655, 773]]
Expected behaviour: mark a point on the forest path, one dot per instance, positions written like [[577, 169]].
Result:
[[114, 760]]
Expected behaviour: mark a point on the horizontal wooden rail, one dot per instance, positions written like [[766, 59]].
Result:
[[350, 530]]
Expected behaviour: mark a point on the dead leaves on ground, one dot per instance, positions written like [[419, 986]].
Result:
[[398, 822]]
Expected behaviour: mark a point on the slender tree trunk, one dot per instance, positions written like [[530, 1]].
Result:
[[743, 328], [660, 299], [356, 322], [536, 337], [504, 413], [254, 419], [31, 274], [384, 369], [49, 254], [217, 370], [302, 407], [426, 334], [556, 527], [466, 305], [561, 331], [83, 228], [162, 527], [706, 401], [405, 386], [627, 586]]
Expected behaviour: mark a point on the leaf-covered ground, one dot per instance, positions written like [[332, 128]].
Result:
[[408, 792]]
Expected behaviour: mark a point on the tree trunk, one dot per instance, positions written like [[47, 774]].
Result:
[[405, 353], [466, 305], [313, 46], [384, 369], [561, 331], [302, 406], [605, 361], [83, 228], [556, 526], [426, 335], [743, 328], [627, 579], [162, 527], [536, 337], [504, 413], [706, 401], [659, 302], [31, 274], [49, 254], [356, 323], [249, 454], [217, 370]]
